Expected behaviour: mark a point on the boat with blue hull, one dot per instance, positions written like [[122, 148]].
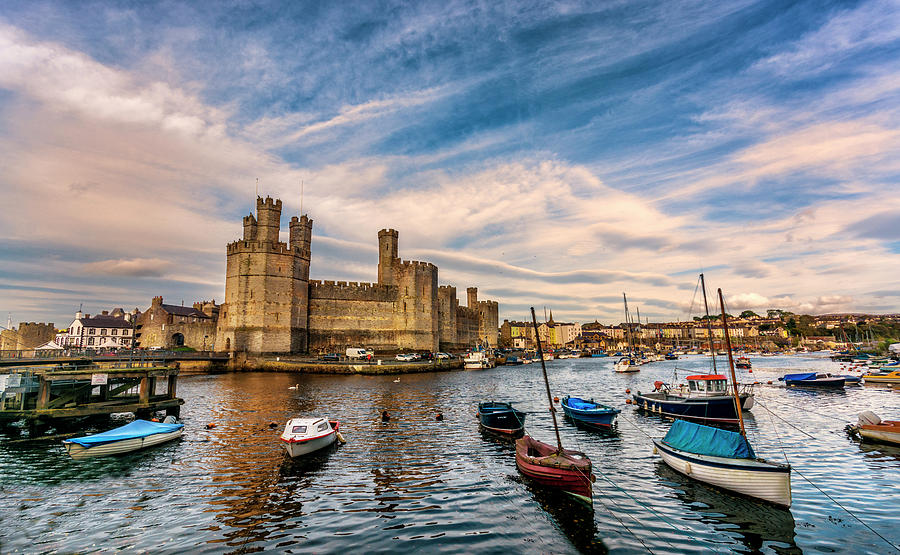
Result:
[[589, 413], [705, 398], [139, 434], [501, 418], [813, 379]]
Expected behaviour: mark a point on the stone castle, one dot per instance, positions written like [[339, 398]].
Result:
[[271, 305]]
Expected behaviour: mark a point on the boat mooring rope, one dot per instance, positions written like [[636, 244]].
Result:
[[786, 422], [835, 501], [804, 409]]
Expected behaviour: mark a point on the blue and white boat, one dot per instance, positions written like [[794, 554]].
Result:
[[589, 413], [813, 379], [724, 459], [133, 436]]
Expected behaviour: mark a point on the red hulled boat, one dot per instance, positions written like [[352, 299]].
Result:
[[569, 471], [563, 469]]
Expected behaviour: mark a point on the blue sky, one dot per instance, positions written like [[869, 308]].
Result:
[[550, 153]]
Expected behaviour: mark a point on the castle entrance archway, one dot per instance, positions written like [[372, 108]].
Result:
[[178, 340]]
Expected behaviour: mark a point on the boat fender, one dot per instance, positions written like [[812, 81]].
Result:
[[556, 399], [688, 469], [627, 401], [655, 450], [645, 405], [340, 437]]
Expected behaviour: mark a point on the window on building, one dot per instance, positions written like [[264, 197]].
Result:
[[92, 331], [90, 340], [113, 332], [103, 331]]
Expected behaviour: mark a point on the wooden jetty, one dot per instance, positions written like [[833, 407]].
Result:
[[52, 395]]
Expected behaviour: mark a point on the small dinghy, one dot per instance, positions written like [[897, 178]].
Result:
[[589, 413], [554, 467], [133, 436], [302, 436], [565, 470], [501, 418], [873, 428]]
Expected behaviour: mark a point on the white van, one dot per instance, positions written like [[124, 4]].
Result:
[[356, 353]]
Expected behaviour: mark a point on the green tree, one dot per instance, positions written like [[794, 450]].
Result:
[[749, 314]]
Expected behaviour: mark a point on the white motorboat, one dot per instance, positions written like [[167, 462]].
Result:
[[302, 436], [625, 364], [478, 359], [133, 436]]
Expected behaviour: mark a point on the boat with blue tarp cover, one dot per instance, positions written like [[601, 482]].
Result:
[[724, 458], [139, 434], [813, 379], [589, 413], [501, 418]]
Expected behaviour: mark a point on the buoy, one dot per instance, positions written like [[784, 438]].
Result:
[[750, 371], [556, 399], [628, 390], [627, 401], [211, 425], [154, 419], [769, 382], [340, 437]]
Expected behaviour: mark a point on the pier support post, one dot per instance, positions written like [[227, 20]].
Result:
[[43, 394], [145, 391], [172, 385]]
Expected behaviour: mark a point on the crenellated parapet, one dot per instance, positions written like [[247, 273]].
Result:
[[257, 247], [351, 291]]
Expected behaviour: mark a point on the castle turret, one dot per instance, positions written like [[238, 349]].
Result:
[[301, 235], [471, 297], [249, 228], [269, 219], [387, 256]]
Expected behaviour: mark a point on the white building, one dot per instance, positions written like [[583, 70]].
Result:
[[100, 332]]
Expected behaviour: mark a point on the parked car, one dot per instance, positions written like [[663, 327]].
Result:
[[441, 355], [353, 352], [405, 357], [331, 357], [426, 356]]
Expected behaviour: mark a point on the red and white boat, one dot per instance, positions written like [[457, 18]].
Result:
[[873, 428], [302, 436]]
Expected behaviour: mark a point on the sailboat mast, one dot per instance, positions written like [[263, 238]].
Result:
[[734, 387], [712, 351], [628, 331], [546, 381]]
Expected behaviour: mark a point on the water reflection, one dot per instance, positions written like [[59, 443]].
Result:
[[575, 519], [755, 524]]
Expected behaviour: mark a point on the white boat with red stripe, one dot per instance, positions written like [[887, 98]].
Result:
[[302, 436]]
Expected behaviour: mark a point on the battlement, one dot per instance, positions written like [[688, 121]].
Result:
[[417, 264], [351, 290], [268, 203], [259, 246], [388, 232]]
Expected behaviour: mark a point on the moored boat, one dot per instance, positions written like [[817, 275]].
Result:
[[812, 379], [302, 436], [478, 359], [554, 467], [873, 428], [705, 398], [133, 436], [501, 418], [882, 377], [566, 470], [625, 365], [743, 363], [589, 413], [723, 458]]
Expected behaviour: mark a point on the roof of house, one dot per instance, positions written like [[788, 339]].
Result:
[[183, 311], [105, 322]]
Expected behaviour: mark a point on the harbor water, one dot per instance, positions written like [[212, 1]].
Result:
[[419, 484]]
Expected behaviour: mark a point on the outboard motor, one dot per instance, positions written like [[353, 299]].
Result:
[[169, 420], [868, 418]]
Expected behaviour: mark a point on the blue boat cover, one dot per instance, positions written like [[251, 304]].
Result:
[[581, 404], [798, 377], [706, 440], [136, 429]]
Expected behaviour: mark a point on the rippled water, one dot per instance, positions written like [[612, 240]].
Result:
[[416, 483]]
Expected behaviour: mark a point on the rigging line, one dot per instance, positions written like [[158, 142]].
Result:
[[804, 409], [625, 526], [836, 502], [662, 517], [785, 421]]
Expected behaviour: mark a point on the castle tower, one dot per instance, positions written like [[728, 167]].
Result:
[[266, 286], [388, 258], [472, 297]]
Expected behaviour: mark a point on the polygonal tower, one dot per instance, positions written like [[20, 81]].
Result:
[[266, 286]]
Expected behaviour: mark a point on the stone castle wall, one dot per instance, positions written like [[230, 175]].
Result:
[[28, 336]]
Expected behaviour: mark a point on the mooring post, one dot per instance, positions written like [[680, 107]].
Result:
[[145, 391], [43, 393], [173, 379]]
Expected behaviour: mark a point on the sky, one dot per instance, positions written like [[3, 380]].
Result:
[[553, 154]]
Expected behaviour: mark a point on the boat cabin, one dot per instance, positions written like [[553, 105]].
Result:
[[299, 429], [708, 384]]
